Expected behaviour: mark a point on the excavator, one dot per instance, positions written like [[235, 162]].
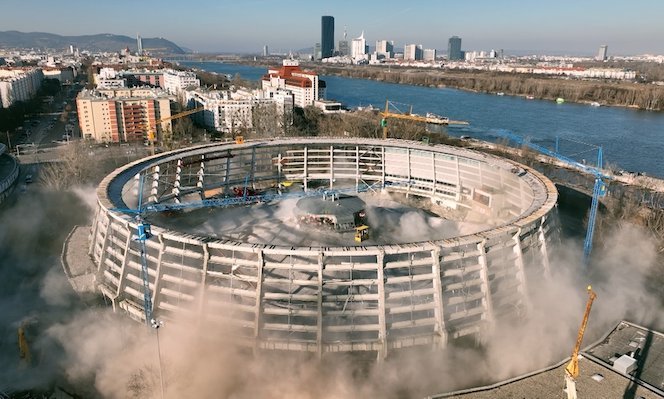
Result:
[[572, 368]]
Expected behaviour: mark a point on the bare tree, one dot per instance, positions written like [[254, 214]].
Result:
[[265, 119], [78, 164]]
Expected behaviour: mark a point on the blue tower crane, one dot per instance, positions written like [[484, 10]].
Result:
[[599, 189], [144, 233]]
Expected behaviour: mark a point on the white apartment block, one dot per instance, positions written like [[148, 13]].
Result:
[[429, 54], [358, 48], [177, 81], [412, 52], [303, 85], [19, 84], [227, 111]]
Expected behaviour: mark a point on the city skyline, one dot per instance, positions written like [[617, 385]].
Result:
[[245, 27]]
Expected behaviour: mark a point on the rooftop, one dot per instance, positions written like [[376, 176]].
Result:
[[597, 378]]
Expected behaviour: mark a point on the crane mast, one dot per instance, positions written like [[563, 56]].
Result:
[[572, 368], [151, 130]]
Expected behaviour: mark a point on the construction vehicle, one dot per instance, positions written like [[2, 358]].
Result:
[[361, 233], [572, 368], [151, 133], [410, 116]]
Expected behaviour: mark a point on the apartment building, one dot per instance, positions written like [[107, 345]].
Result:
[[19, 84], [123, 115]]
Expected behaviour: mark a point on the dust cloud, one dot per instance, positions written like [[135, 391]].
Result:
[[99, 354]]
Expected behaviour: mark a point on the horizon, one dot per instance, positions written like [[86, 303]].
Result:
[[514, 25]]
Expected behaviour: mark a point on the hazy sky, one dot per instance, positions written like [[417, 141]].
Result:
[[574, 26]]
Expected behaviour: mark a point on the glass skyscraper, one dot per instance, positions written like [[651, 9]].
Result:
[[454, 48], [327, 36]]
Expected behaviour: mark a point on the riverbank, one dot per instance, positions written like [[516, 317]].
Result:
[[604, 92], [623, 94]]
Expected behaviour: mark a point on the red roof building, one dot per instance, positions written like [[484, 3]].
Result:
[[304, 85]]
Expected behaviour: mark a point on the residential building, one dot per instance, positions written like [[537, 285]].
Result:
[[384, 48], [454, 49], [412, 52], [176, 81], [265, 51], [303, 85], [123, 115], [429, 54], [19, 84], [63, 74], [327, 36], [228, 112], [601, 54]]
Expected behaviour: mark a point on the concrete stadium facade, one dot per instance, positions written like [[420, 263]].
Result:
[[323, 299]]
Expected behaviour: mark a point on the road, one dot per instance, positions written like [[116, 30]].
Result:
[[53, 128]]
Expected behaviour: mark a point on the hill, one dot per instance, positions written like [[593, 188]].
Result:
[[99, 42]]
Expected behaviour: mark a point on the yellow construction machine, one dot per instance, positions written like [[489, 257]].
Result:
[[572, 369]]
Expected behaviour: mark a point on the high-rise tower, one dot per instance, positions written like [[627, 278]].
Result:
[[454, 48], [327, 36], [601, 54], [139, 45]]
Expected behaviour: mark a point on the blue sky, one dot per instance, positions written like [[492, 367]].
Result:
[[572, 26]]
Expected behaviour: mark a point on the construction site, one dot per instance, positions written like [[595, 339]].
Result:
[[398, 264], [325, 245]]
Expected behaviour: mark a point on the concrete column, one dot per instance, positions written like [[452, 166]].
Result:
[[252, 172], [458, 172], [154, 189], [123, 268], [433, 175], [319, 307], [521, 273], [228, 170], [94, 230], [258, 318], [176, 183], [382, 319], [409, 176], [383, 166], [201, 177], [201, 303], [104, 248], [438, 300], [541, 238], [357, 168], [484, 275], [305, 170], [155, 294], [331, 167], [279, 171]]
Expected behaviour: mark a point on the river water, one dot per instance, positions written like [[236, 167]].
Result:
[[631, 140]]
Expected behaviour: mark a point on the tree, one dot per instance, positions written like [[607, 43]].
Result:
[[78, 165], [265, 119], [183, 130]]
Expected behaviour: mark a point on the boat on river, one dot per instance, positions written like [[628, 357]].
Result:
[[560, 100]]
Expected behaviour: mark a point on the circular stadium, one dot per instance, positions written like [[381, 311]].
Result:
[[326, 244]]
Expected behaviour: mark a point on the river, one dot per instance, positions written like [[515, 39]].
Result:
[[631, 140]]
